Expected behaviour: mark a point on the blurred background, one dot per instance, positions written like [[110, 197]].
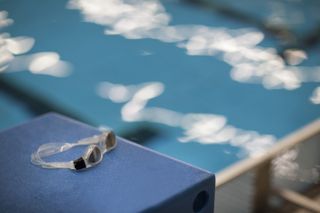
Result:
[[218, 84]]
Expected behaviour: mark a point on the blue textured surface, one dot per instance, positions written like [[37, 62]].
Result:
[[129, 179]]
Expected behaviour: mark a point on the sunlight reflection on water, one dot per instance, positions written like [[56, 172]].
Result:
[[196, 127], [202, 128], [239, 48], [315, 98], [13, 55]]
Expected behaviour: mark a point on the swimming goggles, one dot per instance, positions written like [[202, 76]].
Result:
[[98, 145]]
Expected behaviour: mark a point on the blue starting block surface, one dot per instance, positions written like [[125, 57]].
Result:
[[131, 178], [206, 88]]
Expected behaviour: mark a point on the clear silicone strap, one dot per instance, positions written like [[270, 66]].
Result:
[[49, 149]]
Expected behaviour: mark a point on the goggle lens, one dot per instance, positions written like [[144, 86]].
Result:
[[95, 156], [110, 141]]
